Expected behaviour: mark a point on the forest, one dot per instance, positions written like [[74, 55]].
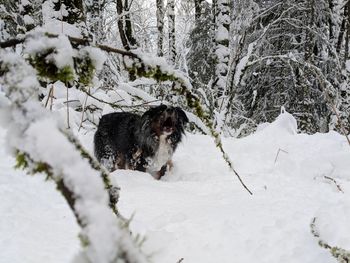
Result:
[[259, 80]]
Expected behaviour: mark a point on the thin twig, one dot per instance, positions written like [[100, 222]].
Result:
[[68, 126], [51, 100], [70, 101], [83, 111], [278, 152], [242, 183], [335, 182], [48, 96], [116, 106]]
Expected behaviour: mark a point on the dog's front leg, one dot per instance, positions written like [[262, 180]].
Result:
[[169, 164], [161, 172]]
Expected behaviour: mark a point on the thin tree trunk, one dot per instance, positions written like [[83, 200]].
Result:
[[198, 10], [343, 28], [309, 38], [171, 25], [120, 23], [128, 26], [160, 27], [330, 20], [94, 13], [346, 56]]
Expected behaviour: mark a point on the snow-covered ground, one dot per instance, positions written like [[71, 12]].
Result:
[[199, 211]]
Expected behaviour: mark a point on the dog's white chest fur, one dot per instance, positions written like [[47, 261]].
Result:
[[162, 155]]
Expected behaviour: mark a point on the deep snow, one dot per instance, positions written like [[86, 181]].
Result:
[[199, 211]]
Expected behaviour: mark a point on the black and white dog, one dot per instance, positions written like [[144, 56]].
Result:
[[145, 143]]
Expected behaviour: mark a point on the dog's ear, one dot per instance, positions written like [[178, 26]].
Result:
[[153, 111], [181, 114]]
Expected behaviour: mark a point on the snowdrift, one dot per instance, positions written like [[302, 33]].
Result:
[[199, 211]]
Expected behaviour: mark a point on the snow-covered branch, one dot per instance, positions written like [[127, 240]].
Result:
[[83, 183]]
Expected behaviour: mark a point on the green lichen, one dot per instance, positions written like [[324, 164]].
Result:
[[21, 161], [47, 70], [41, 167], [84, 240], [85, 69]]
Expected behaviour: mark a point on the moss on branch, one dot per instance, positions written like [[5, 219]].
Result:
[[340, 254]]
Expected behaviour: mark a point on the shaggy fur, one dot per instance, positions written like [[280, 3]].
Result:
[[145, 143]]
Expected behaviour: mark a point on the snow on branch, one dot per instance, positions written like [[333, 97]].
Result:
[[42, 145]]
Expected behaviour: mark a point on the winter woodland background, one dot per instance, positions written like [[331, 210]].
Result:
[[233, 65]]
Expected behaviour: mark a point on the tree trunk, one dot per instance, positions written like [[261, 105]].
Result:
[[171, 25], [160, 27], [125, 26], [128, 26], [198, 10], [122, 33], [309, 35], [94, 13], [222, 52], [346, 56], [342, 30]]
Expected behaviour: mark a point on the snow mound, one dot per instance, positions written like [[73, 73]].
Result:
[[285, 123]]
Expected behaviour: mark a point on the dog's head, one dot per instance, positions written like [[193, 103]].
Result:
[[165, 120]]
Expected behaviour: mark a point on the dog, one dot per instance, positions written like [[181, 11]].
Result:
[[145, 143]]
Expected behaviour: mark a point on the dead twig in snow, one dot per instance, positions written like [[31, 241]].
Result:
[[335, 182], [278, 152], [50, 97]]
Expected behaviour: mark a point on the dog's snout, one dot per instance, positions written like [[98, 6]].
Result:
[[168, 122]]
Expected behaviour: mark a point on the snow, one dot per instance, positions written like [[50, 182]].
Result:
[[243, 63], [19, 82], [52, 21], [28, 20], [33, 215], [199, 211], [221, 34], [97, 56], [63, 50]]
